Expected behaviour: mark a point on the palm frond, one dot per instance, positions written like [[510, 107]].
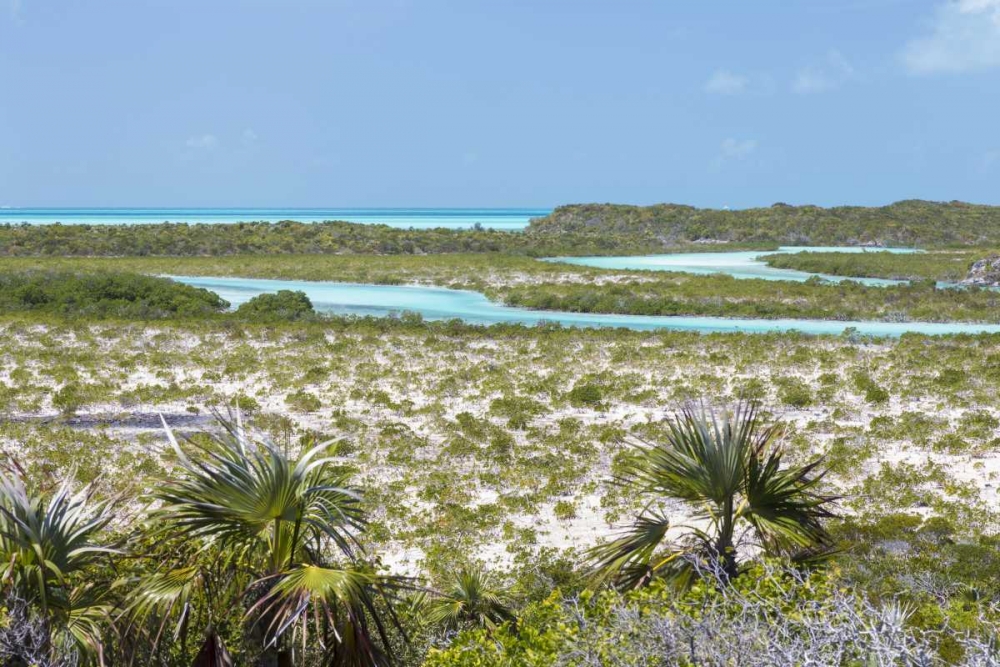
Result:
[[244, 493], [782, 504], [727, 466], [44, 542], [470, 600], [629, 559], [47, 544], [346, 601]]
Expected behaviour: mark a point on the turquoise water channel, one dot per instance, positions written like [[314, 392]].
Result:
[[438, 303], [737, 264]]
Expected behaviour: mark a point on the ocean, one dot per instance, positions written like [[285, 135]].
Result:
[[418, 218]]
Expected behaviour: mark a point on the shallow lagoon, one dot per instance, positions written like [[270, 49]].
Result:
[[736, 264], [438, 303]]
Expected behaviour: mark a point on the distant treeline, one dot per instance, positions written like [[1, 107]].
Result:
[[905, 223], [255, 238], [579, 229]]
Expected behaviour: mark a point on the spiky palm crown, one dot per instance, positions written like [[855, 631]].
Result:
[[470, 598], [49, 543], [278, 535], [727, 467]]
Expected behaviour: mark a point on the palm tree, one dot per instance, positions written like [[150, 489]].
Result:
[[728, 468], [48, 546], [469, 601], [278, 536]]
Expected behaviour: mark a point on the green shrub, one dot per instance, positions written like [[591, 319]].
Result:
[[564, 510], [69, 399], [104, 294], [303, 401], [283, 305], [794, 392], [872, 391], [586, 395], [519, 410], [950, 377], [247, 404]]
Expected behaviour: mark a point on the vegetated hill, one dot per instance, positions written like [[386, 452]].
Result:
[[905, 223]]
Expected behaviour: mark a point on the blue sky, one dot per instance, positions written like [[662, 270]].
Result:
[[486, 103]]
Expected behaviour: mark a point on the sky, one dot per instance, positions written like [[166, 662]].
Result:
[[520, 103]]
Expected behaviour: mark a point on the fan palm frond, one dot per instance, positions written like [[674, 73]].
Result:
[[470, 600], [46, 545], [727, 467], [288, 528]]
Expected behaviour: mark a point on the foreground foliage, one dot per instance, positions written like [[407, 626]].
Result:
[[275, 535], [50, 543], [774, 615], [728, 467], [491, 444]]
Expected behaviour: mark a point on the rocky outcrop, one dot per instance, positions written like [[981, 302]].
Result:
[[985, 272]]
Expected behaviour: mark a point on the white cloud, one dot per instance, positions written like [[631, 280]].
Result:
[[733, 150], [204, 142], [248, 137], [724, 82], [832, 73], [15, 10], [964, 37], [811, 81]]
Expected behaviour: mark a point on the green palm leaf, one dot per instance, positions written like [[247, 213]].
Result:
[[278, 534], [469, 600], [48, 544], [728, 468]]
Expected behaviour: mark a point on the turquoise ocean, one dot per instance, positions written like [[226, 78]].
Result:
[[405, 218]]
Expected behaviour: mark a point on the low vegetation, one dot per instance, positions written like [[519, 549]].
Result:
[[488, 484], [911, 223], [941, 265], [724, 296], [514, 281], [101, 294], [437, 494], [580, 229]]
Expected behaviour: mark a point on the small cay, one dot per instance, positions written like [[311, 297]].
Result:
[[985, 272]]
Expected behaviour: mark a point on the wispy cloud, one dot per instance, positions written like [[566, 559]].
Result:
[[249, 137], [204, 142], [734, 150], [15, 7], [834, 71], [964, 37], [724, 82]]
